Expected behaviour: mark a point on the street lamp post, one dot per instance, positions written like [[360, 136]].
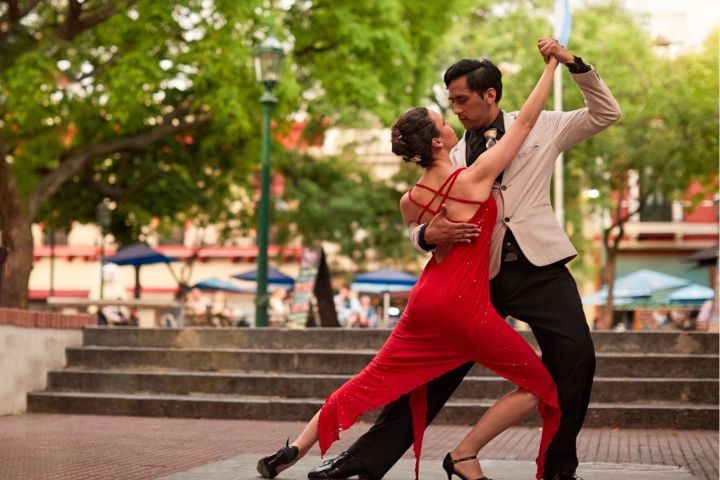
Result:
[[102, 213], [268, 65]]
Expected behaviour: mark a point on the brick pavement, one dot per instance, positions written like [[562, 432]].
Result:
[[70, 447]]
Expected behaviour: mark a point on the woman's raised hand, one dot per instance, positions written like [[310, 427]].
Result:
[[550, 47]]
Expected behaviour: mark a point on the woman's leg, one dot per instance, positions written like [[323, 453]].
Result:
[[270, 466], [510, 410], [501, 349], [308, 437]]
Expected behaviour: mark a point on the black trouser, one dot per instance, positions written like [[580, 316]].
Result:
[[547, 299]]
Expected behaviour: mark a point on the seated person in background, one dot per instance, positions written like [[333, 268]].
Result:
[[196, 307], [369, 317], [277, 308], [220, 310], [347, 308], [114, 315]]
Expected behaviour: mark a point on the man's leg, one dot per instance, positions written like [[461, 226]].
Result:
[[547, 299], [392, 434]]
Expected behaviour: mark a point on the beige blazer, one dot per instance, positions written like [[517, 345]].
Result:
[[523, 198]]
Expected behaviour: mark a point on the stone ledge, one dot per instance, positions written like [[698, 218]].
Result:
[[36, 319]]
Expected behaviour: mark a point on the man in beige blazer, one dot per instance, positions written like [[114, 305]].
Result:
[[529, 250]]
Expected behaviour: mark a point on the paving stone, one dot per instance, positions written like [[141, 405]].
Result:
[[242, 467]]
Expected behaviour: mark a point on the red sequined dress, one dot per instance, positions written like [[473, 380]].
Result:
[[449, 320]]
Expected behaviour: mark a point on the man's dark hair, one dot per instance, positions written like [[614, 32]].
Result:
[[481, 75]]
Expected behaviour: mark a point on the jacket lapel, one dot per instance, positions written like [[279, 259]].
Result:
[[457, 153], [509, 119]]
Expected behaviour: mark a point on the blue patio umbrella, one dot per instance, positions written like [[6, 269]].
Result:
[[691, 294], [137, 255], [620, 296], [639, 285], [385, 280], [651, 280], [214, 283], [275, 276]]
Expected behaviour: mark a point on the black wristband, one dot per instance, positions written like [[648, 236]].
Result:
[[578, 66], [428, 247]]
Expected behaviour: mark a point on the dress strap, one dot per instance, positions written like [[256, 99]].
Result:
[[426, 207], [449, 182]]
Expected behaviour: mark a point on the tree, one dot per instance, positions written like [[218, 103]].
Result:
[[667, 136], [153, 106], [87, 88]]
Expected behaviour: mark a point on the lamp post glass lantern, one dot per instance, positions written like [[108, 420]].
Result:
[[269, 62], [268, 66]]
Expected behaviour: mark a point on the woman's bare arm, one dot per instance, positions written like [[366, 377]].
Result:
[[493, 161]]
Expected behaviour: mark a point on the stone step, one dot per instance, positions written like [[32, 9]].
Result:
[[344, 339], [350, 362], [605, 390], [609, 415]]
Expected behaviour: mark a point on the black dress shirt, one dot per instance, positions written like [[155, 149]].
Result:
[[475, 141]]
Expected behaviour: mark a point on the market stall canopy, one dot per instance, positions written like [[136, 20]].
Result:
[[275, 276], [691, 294]]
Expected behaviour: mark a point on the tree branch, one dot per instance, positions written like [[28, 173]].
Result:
[[12, 17], [75, 159], [117, 192], [15, 12], [99, 69], [310, 49], [76, 23], [621, 220], [72, 19]]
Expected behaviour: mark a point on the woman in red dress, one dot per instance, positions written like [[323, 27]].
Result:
[[449, 319]]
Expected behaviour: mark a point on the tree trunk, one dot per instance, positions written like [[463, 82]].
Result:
[[17, 238]]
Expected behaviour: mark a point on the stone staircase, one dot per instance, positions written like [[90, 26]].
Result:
[[643, 380]]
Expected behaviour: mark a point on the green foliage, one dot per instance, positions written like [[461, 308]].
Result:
[[66, 89], [669, 129], [333, 199], [507, 34], [359, 60]]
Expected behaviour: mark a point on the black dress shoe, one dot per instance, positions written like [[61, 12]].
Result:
[[341, 467], [564, 476]]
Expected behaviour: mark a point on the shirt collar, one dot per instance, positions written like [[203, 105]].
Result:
[[498, 124]]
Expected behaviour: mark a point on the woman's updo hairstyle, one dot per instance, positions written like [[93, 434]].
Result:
[[412, 135]]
